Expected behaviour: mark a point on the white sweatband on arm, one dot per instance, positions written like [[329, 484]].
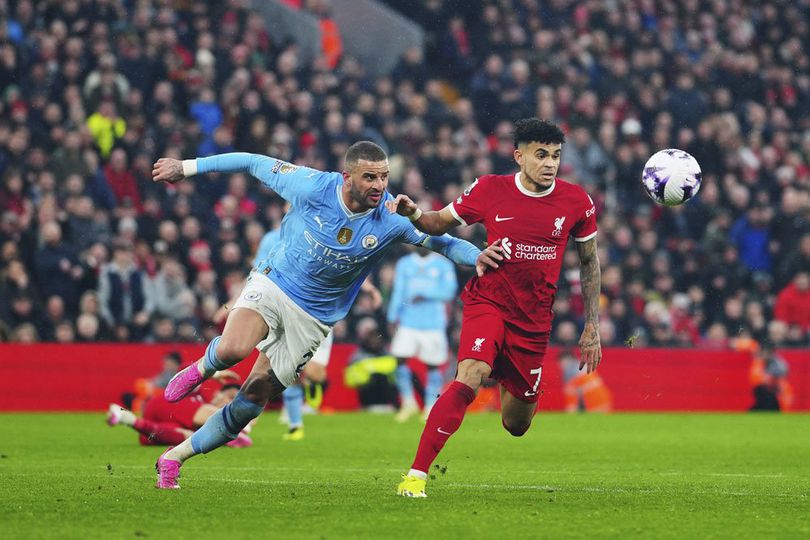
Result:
[[189, 167], [416, 215]]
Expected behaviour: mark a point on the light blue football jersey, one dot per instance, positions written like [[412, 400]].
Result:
[[270, 240], [422, 287], [326, 250]]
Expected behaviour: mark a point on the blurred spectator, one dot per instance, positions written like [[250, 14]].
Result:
[[106, 126], [122, 181], [751, 237], [172, 296], [124, 293], [793, 302], [57, 266]]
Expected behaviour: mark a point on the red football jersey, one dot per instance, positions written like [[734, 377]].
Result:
[[534, 229]]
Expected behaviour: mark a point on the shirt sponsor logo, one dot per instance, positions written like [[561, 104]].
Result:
[[330, 256], [528, 252], [589, 213]]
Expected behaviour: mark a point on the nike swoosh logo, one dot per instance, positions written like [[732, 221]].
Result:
[[499, 219], [440, 430]]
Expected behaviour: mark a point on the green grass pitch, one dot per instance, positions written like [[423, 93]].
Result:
[[571, 476]]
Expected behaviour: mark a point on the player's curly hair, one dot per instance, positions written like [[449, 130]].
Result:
[[529, 130], [365, 150]]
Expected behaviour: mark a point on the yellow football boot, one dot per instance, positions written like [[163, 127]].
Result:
[[411, 486], [295, 434]]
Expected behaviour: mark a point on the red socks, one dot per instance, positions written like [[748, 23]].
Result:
[[444, 419], [158, 433]]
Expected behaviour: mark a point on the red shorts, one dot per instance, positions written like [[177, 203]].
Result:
[[181, 413], [516, 356]]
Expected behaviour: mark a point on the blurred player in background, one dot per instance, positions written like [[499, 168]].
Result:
[[165, 423], [334, 234], [507, 312], [423, 285]]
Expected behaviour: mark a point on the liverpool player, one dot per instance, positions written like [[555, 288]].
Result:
[[507, 312]]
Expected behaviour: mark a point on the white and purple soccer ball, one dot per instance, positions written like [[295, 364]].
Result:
[[671, 177]]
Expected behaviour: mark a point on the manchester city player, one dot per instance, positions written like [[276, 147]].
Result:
[[335, 233], [423, 286]]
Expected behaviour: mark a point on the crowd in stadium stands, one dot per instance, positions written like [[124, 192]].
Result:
[[93, 91]]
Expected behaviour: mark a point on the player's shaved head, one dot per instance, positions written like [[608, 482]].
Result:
[[529, 130], [363, 150]]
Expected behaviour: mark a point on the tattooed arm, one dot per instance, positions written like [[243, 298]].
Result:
[[591, 280]]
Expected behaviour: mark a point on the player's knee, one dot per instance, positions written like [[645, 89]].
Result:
[[232, 350], [473, 372], [516, 428]]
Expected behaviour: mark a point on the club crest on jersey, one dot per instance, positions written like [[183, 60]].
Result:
[[370, 241], [558, 225], [344, 236]]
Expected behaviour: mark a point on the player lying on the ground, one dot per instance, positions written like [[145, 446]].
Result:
[[507, 312], [164, 423], [335, 233]]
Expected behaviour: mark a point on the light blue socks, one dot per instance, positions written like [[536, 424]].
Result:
[[405, 383], [212, 364], [225, 424], [433, 387], [294, 403]]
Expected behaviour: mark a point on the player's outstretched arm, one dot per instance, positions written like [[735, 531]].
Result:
[[173, 170], [590, 345], [432, 222], [462, 252], [284, 178]]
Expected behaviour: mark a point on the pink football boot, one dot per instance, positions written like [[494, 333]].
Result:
[[241, 441], [183, 383], [168, 470]]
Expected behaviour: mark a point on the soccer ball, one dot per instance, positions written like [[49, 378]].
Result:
[[671, 177]]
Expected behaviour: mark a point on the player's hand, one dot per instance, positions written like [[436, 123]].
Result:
[[489, 257], [590, 347], [376, 296], [402, 205], [167, 170]]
